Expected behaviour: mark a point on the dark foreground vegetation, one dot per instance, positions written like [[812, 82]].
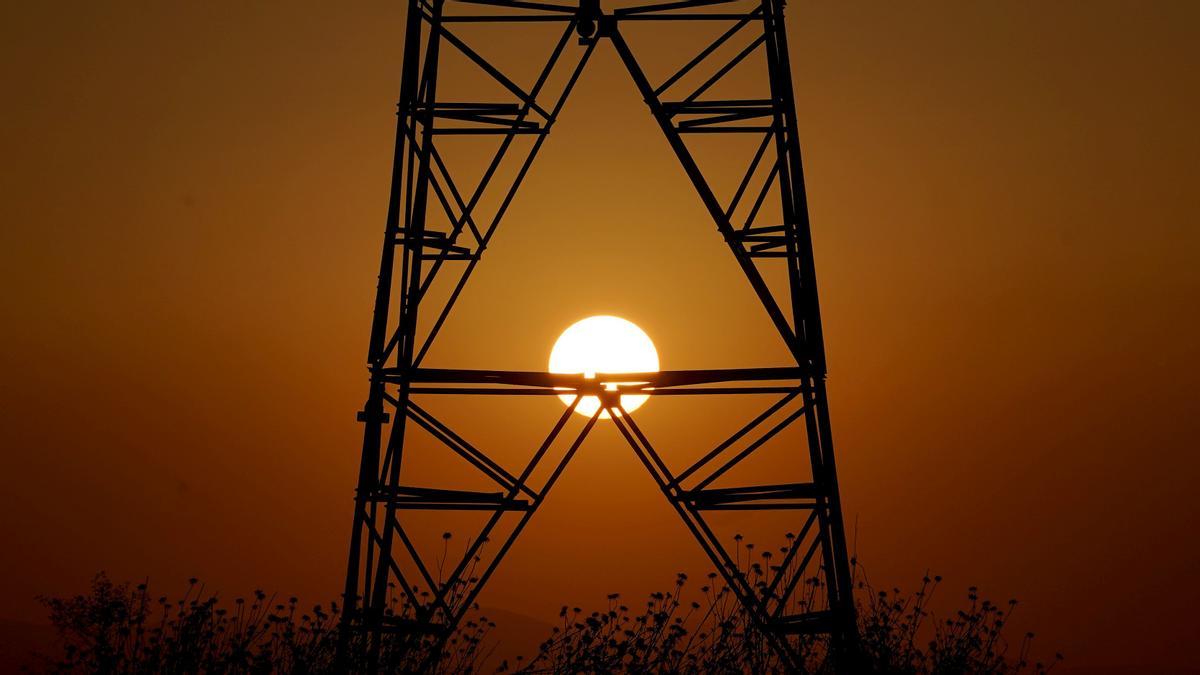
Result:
[[691, 628]]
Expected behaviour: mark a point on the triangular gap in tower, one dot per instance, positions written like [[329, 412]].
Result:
[[458, 168], [607, 222], [742, 170], [463, 82], [467, 160], [685, 430], [739, 168], [733, 64], [663, 47], [508, 430], [463, 166], [724, 158], [445, 542], [432, 468], [517, 51], [781, 459], [438, 455], [761, 543], [521, 54]]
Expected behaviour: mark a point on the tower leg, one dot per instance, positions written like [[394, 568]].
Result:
[[796, 315]]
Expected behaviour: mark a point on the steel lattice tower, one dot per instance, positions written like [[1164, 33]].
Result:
[[415, 251]]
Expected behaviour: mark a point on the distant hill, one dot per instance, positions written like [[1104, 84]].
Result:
[[1127, 670], [515, 635], [20, 641]]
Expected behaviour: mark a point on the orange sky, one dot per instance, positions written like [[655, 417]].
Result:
[[1004, 208]]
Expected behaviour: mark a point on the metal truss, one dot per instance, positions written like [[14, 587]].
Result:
[[439, 227]]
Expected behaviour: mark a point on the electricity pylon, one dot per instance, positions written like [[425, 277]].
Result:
[[439, 227]]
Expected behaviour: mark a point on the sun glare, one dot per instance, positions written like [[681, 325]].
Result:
[[604, 344]]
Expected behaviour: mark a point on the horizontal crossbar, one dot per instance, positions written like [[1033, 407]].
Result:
[[566, 382], [749, 494], [526, 391], [436, 499], [804, 624]]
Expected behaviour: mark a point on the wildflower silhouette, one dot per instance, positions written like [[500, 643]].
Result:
[[119, 628]]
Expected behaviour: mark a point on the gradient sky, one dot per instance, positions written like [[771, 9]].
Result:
[[1004, 198]]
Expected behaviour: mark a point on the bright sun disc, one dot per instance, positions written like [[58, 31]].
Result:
[[603, 344]]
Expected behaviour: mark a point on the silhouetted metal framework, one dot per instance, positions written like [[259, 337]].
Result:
[[415, 252]]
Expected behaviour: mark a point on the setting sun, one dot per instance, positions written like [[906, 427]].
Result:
[[604, 344]]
